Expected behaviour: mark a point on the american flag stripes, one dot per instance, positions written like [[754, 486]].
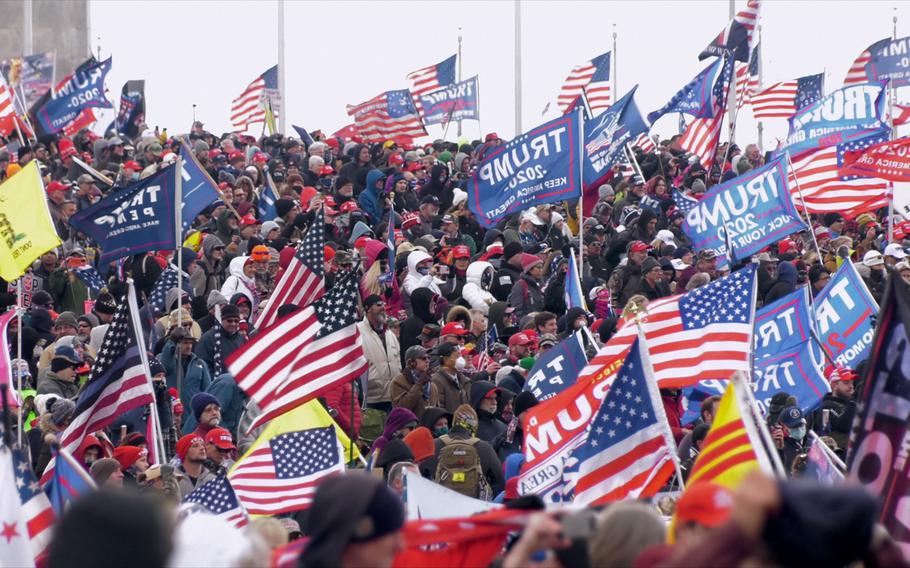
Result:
[[858, 72], [782, 100], [249, 107], [822, 189], [386, 116], [282, 475], [703, 334], [304, 354], [703, 134], [36, 516], [627, 451], [118, 382], [8, 115], [736, 38], [747, 78], [644, 142], [218, 497], [591, 77], [304, 280], [431, 78]]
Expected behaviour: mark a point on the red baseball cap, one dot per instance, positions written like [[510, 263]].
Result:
[[326, 171], [220, 438], [491, 136], [639, 246], [236, 155], [707, 504], [132, 165], [520, 339], [248, 220], [56, 186], [395, 160], [413, 167], [461, 251], [260, 158], [453, 328], [348, 206]]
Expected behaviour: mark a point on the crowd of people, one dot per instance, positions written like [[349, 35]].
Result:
[[443, 395]]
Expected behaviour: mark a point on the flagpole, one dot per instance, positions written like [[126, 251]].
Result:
[[891, 95], [754, 423], [581, 197], [802, 200], [615, 66], [459, 77], [178, 226], [828, 452], [282, 95], [518, 128], [731, 116], [761, 125], [143, 357], [20, 311]]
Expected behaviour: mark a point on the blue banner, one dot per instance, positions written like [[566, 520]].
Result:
[[748, 212], [783, 324], [607, 134], [695, 98], [137, 218], [84, 90], [844, 311], [557, 368], [538, 167], [847, 114], [457, 101], [198, 190], [890, 62]]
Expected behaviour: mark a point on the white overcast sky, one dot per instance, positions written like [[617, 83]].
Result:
[[347, 52]]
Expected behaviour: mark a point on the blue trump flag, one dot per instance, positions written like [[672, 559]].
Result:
[[696, 98], [574, 296], [557, 368], [198, 189], [267, 199], [889, 62], [607, 135], [783, 324], [304, 135], [84, 90], [138, 218], [538, 167], [749, 212], [844, 311], [458, 101], [68, 482], [845, 115]]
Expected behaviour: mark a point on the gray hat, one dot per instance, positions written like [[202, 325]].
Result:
[[85, 178], [649, 264], [66, 318], [698, 186], [415, 352], [216, 298], [606, 190], [62, 410], [548, 339]]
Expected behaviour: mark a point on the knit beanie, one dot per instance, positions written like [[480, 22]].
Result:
[[102, 469], [184, 443], [61, 411], [420, 440], [127, 455], [466, 417], [200, 401], [524, 401]]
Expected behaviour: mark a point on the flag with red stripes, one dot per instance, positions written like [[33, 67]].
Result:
[[859, 71], [644, 142], [816, 182], [702, 136], [387, 116], [303, 281], [429, 79], [118, 383], [304, 354], [626, 453], [747, 80], [591, 78], [782, 100], [36, 516], [249, 106], [736, 38]]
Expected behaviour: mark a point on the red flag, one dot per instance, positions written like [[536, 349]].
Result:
[[888, 160]]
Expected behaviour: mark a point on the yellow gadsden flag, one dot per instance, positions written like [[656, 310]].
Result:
[[727, 453], [26, 228]]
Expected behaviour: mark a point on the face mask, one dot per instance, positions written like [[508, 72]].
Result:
[[135, 176], [442, 306], [441, 431], [798, 433], [459, 364], [424, 270]]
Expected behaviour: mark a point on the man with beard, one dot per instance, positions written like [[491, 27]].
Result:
[[381, 349], [219, 342]]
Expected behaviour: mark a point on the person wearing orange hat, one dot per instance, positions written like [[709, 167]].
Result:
[[420, 440]]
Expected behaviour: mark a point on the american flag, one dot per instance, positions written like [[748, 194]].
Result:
[[304, 280], [683, 202], [249, 107], [303, 355], [644, 142], [118, 382], [626, 453], [167, 281], [782, 100], [736, 38], [36, 514], [219, 498], [858, 72], [703, 334], [593, 78], [431, 78], [703, 134], [387, 116], [747, 81], [8, 115], [825, 190], [90, 277], [282, 475], [901, 114]]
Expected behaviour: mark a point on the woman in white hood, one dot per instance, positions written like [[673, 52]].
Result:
[[476, 291], [242, 281], [421, 273]]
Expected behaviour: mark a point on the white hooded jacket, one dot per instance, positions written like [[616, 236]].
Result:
[[238, 282], [474, 292], [414, 279]]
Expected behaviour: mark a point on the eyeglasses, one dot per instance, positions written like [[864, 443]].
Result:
[[231, 320]]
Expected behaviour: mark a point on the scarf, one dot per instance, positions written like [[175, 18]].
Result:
[[511, 429], [217, 357]]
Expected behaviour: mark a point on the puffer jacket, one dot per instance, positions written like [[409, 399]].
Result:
[[415, 280], [476, 291], [239, 283]]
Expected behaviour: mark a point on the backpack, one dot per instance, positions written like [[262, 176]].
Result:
[[459, 468]]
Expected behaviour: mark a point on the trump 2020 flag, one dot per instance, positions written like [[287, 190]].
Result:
[[845, 312], [846, 114], [556, 368], [540, 166], [628, 447], [888, 62], [749, 212], [607, 134], [696, 98], [83, 91], [198, 189], [457, 101], [135, 219]]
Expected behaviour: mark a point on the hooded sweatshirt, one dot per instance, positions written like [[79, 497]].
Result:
[[240, 283], [476, 291], [369, 197], [415, 280], [420, 316], [488, 426]]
